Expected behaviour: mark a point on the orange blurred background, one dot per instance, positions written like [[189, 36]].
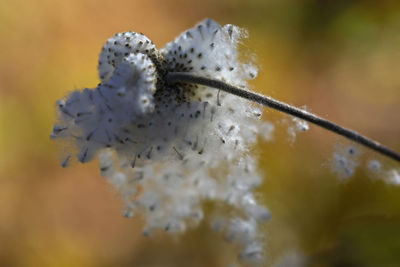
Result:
[[339, 58]]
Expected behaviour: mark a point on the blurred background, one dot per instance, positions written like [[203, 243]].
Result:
[[339, 58]]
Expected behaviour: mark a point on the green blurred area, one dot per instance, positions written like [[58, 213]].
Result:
[[338, 58]]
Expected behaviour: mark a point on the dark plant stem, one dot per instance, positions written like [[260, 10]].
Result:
[[181, 77]]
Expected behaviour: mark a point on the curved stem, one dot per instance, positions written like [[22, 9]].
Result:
[[175, 77]]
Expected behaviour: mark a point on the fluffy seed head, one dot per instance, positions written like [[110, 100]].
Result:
[[169, 148]]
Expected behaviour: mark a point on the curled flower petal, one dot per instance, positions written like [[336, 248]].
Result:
[[121, 45], [209, 50], [97, 118]]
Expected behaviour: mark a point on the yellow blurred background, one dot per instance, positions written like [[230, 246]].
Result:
[[339, 58]]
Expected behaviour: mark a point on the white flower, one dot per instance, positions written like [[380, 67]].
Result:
[[167, 149]]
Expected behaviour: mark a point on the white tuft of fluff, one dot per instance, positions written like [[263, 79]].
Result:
[[345, 161], [393, 177], [297, 126], [168, 149], [387, 174], [375, 166]]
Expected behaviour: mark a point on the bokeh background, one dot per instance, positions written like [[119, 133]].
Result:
[[339, 58]]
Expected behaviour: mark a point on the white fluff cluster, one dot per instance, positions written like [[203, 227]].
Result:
[[345, 161], [389, 175], [375, 166], [393, 177], [168, 149], [296, 125]]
